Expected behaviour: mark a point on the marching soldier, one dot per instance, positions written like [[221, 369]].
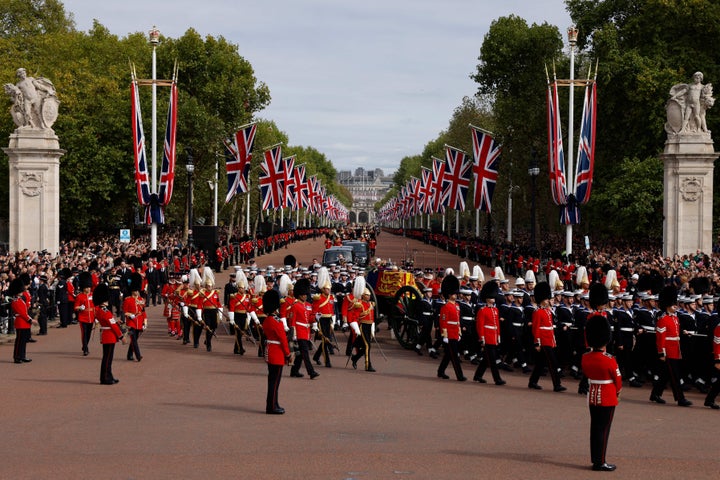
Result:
[[644, 352], [211, 307], [44, 304], [238, 311], [85, 309], [110, 333], [278, 350], [544, 339], [258, 313], [165, 293], [427, 319], [324, 310], [366, 320], [512, 313], [185, 293], [135, 316], [22, 321], [302, 323], [625, 337], [488, 332], [449, 320]]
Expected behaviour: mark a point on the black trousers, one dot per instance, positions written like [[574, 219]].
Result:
[[546, 356], [714, 386], [489, 360], [106, 375], [451, 356], [303, 357], [65, 312], [325, 346], [211, 320], [274, 377], [425, 337], [669, 370], [600, 421], [240, 319], [21, 338], [185, 322], [362, 344], [134, 348], [85, 333]]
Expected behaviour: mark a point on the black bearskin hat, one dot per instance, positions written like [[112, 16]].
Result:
[[450, 285], [597, 331], [135, 282], [700, 285], [271, 302], [101, 294], [85, 280], [25, 279], [542, 292], [15, 287], [65, 273], [290, 260], [667, 297], [489, 290], [302, 287], [598, 295]]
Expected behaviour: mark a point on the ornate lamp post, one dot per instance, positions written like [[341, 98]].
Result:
[[190, 166], [533, 171]]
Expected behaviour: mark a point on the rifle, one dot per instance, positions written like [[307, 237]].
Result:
[[200, 323]]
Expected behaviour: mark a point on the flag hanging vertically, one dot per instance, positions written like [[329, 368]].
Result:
[[238, 155], [456, 179], [289, 183], [272, 179], [586, 148], [426, 191], [301, 188], [167, 173], [486, 156], [142, 179], [556, 155], [437, 185]]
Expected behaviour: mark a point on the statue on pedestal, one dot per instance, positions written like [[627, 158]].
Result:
[[35, 104], [687, 105]]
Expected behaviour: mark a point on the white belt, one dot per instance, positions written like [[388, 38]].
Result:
[[691, 332], [517, 324], [453, 323], [627, 329], [105, 328], [648, 329], [673, 338], [546, 328], [467, 318], [427, 313], [601, 382], [490, 327], [302, 324], [276, 342]]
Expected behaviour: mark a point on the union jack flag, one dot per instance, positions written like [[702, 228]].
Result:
[[437, 185], [301, 188], [167, 174], [426, 198], [456, 179], [272, 179], [289, 183], [486, 155], [586, 148], [311, 188], [414, 192], [556, 156], [142, 182], [238, 155]]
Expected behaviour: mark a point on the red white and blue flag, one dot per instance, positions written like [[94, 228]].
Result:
[[586, 147], [486, 160], [272, 179], [437, 185], [142, 178], [426, 198], [289, 200], [238, 155], [556, 155], [167, 173], [456, 179], [301, 188]]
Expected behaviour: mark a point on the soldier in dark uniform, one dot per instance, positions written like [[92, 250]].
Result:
[[625, 328], [564, 315], [62, 300], [113, 280], [469, 345], [644, 354], [578, 335], [427, 319], [688, 330], [44, 304], [514, 319]]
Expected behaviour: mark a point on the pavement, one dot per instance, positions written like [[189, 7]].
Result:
[[185, 413]]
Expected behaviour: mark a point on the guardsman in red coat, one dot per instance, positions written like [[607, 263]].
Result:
[[450, 328], [324, 310], [277, 352], [185, 294], [135, 316], [175, 300], [366, 321], [167, 290], [544, 339], [605, 383], [238, 311], [211, 306], [715, 383], [110, 333], [302, 322], [22, 321], [668, 347], [258, 312], [85, 309], [488, 331]]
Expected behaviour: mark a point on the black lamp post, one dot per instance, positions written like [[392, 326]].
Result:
[[190, 169], [533, 171]]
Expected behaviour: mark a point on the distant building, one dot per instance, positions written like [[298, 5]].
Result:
[[367, 188]]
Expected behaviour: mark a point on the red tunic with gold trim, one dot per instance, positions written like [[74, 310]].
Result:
[[210, 299], [324, 305], [488, 325], [450, 320], [110, 331], [285, 306], [86, 315], [604, 378], [542, 327], [277, 343], [134, 309], [19, 308], [667, 336], [302, 318], [166, 292]]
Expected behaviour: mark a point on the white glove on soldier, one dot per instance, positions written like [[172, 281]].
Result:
[[445, 340], [231, 318], [372, 330], [284, 322], [198, 313], [254, 316], [355, 328], [185, 311]]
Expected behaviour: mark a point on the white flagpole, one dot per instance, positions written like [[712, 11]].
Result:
[[154, 41], [572, 40], [477, 222]]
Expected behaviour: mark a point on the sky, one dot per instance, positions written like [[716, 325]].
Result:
[[367, 83]]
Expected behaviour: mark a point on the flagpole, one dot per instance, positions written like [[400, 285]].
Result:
[[572, 40], [477, 222], [247, 206], [215, 189], [154, 41]]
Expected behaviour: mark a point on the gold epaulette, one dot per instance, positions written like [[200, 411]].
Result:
[[282, 300], [254, 301], [316, 297]]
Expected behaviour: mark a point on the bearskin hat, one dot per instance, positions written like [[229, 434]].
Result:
[[270, 302], [542, 292], [15, 287], [101, 294], [85, 280], [135, 282], [597, 330], [450, 285], [65, 273], [488, 290], [598, 295], [667, 297], [290, 260], [302, 287]]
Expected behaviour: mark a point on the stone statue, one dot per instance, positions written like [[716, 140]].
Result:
[[687, 105], [35, 104]]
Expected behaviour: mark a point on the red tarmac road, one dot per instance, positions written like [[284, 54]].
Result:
[[184, 413]]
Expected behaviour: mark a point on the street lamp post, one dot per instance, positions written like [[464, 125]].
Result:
[[190, 166], [533, 171]]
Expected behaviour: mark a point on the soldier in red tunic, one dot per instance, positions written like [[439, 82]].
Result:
[[450, 328], [238, 311], [365, 312], [668, 348], [211, 306], [715, 388], [302, 321], [135, 316], [544, 339], [277, 351], [605, 383], [22, 321], [85, 309], [110, 333], [324, 310], [488, 331]]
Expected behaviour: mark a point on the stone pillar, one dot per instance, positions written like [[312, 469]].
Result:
[[34, 214], [688, 194]]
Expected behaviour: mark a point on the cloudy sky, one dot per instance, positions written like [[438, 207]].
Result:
[[365, 82]]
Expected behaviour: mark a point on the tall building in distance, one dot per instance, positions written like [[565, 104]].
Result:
[[367, 187]]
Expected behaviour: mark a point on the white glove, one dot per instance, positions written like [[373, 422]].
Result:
[[182, 304], [247, 322], [144, 326], [131, 317], [317, 317], [220, 310], [254, 316], [314, 327], [185, 311], [333, 320], [198, 313], [372, 330], [355, 328], [445, 340], [231, 318], [284, 322]]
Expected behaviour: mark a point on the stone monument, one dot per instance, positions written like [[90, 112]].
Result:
[[688, 179], [34, 153]]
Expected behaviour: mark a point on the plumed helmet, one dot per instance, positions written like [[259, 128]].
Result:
[[260, 285], [302, 287], [477, 272], [194, 278], [488, 290], [530, 277], [542, 292], [464, 270], [270, 302], [611, 279], [290, 260], [15, 287], [450, 285], [498, 274], [101, 294], [597, 329], [667, 297], [358, 287], [284, 285], [554, 280], [241, 280], [135, 282], [598, 295], [581, 276], [85, 280], [449, 271], [323, 280], [208, 279]]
